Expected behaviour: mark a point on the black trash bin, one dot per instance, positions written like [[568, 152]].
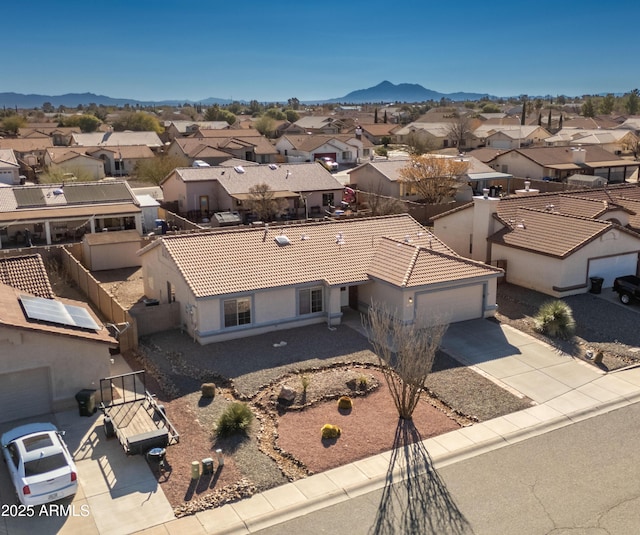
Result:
[[86, 399], [596, 284]]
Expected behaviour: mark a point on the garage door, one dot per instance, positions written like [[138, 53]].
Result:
[[612, 267], [24, 394], [456, 304], [331, 155]]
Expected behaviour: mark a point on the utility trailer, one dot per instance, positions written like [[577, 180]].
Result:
[[133, 415]]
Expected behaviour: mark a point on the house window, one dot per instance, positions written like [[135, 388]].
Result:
[[237, 312], [327, 199], [310, 300], [346, 156]]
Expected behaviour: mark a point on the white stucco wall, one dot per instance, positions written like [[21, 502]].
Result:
[[456, 231]]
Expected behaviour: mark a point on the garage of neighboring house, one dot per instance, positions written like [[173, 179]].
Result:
[[611, 267], [24, 394], [455, 304], [332, 155]]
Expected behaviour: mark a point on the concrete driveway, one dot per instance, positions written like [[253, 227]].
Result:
[[117, 494]]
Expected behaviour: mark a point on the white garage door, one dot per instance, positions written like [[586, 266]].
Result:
[[24, 394], [457, 304], [612, 267]]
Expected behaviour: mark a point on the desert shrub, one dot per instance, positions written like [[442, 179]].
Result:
[[363, 382], [330, 431], [345, 403], [208, 390], [235, 419], [555, 319], [305, 380]]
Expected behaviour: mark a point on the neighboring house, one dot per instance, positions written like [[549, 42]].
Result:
[[316, 124], [382, 177], [552, 243], [436, 135], [73, 161], [245, 144], [121, 161], [308, 189], [56, 213], [237, 283], [616, 141], [631, 123], [556, 163], [47, 356], [174, 129], [510, 136], [341, 148], [376, 132], [29, 152], [198, 149], [118, 139], [60, 135], [149, 206], [9, 168]]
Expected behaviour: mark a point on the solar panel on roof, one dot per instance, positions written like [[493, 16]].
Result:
[[52, 311]]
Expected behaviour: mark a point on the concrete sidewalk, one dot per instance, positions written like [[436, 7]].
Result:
[[564, 389]]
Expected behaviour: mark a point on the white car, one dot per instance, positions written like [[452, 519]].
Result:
[[328, 163], [41, 467]]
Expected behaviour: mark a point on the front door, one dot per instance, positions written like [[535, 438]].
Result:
[[204, 205]]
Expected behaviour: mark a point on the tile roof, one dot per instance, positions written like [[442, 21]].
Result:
[[549, 156], [13, 316], [282, 177], [64, 154], [115, 139], [26, 273], [535, 230], [8, 158], [124, 151], [338, 252], [26, 145], [310, 142], [409, 265]]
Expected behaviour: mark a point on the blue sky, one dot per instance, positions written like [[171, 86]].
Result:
[[279, 49]]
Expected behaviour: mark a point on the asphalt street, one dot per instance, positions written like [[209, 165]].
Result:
[[580, 479]]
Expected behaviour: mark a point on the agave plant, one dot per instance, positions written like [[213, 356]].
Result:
[[555, 319]]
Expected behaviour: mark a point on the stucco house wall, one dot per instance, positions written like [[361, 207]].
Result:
[[73, 364]]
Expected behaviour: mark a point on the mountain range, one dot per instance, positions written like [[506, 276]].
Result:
[[383, 92]]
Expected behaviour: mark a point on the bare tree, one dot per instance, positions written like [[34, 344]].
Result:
[[460, 131], [381, 204], [433, 177], [405, 352], [418, 144], [264, 203]]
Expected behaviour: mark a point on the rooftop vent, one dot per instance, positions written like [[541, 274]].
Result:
[[340, 239], [282, 240], [273, 166], [239, 169]]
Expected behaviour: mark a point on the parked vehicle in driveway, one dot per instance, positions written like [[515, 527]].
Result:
[[628, 288], [328, 163], [39, 463]]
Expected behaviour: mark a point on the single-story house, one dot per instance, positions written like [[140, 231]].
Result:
[[378, 131], [55, 213], [316, 124], [120, 161], [341, 148], [9, 168], [174, 129], [29, 152], [506, 137], [117, 139], [556, 163], [76, 162], [245, 144], [382, 177], [616, 141], [52, 348], [308, 188], [553, 243], [237, 283]]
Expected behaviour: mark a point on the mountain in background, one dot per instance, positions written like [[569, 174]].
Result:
[[388, 92], [383, 92], [72, 100]]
